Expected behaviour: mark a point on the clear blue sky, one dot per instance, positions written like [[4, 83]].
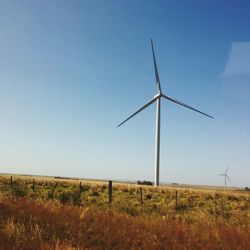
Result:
[[70, 71]]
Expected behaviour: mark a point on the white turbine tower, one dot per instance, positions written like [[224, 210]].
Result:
[[226, 177], [157, 99]]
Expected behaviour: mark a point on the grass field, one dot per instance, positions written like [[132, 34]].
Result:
[[54, 213]]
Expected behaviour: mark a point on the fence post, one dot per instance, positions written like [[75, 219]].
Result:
[[54, 188], [11, 184], [80, 187], [33, 186], [141, 195], [176, 203], [214, 204], [110, 192]]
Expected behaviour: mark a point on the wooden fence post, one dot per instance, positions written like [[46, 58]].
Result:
[[110, 192], [214, 204], [80, 187], [33, 186], [11, 184], [176, 203], [54, 188]]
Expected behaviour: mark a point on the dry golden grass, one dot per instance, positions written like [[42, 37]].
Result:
[[68, 219], [29, 224]]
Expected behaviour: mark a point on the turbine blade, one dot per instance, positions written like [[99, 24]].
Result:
[[227, 169], [157, 79], [185, 105], [221, 174], [228, 178], [139, 110]]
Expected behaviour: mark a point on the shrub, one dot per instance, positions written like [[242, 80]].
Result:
[[19, 191], [64, 197], [70, 197], [233, 198], [50, 195], [75, 197], [94, 193], [148, 183], [148, 196], [85, 188], [130, 210]]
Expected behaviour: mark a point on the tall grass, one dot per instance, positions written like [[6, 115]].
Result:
[[80, 217], [29, 224]]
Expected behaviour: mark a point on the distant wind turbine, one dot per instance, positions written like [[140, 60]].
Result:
[[226, 177], [157, 99]]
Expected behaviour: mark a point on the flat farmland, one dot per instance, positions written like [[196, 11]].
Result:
[[56, 213]]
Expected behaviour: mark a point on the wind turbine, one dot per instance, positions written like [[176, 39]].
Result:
[[226, 177], [157, 99]]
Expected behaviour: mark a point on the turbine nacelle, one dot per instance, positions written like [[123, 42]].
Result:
[[158, 95]]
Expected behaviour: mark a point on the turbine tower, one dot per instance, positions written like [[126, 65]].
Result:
[[157, 99], [226, 177]]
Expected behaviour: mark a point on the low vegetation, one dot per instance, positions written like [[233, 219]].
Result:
[[65, 214]]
